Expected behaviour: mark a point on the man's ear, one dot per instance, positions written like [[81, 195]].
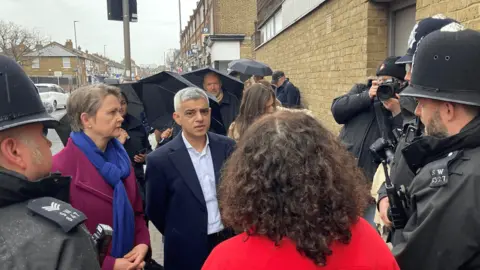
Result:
[[9, 148], [450, 112], [176, 117]]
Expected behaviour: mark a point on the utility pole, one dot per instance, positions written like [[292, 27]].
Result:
[[180, 19], [126, 36]]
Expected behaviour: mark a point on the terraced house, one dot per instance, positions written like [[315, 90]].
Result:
[[218, 32], [325, 46]]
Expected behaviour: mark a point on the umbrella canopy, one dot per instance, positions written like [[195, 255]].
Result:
[[135, 105], [63, 129], [250, 67], [157, 93], [229, 83]]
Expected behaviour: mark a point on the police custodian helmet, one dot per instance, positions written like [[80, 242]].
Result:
[[446, 67], [20, 103]]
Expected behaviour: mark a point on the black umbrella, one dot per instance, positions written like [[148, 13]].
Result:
[[135, 105], [63, 129], [250, 67], [229, 83], [157, 93]]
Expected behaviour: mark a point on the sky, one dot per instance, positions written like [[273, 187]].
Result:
[[156, 31]]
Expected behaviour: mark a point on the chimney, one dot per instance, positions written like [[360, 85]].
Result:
[[69, 44], [38, 47]]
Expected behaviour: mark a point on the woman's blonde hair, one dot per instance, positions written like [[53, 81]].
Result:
[[88, 99]]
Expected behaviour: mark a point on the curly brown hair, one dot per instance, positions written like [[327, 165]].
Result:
[[290, 177]]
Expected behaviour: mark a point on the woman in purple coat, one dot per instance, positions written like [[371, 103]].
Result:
[[103, 183]]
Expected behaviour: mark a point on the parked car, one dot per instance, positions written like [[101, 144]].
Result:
[[53, 94]]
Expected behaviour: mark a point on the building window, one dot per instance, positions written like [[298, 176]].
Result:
[[36, 63], [66, 62], [272, 26]]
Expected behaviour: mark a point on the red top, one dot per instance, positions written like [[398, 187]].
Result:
[[366, 250]]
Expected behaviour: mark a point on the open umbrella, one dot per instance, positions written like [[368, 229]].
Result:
[[135, 105], [229, 83], [63, 129], [250, 67], [157, 93]]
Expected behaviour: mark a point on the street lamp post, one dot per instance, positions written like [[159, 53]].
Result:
[[126, 37], [76, 47]]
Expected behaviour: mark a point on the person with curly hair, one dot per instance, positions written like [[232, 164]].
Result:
[[298, 196]]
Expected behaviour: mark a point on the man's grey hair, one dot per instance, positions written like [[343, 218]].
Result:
[[189, 93], [88, 99]]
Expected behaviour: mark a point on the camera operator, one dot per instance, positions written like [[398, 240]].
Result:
[[400, 173], [442, 232], [366, 118]]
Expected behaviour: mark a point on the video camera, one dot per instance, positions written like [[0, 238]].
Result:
[[389, 88], [383, 151]]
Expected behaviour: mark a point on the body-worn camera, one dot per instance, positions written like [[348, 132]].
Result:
[[389, 88]]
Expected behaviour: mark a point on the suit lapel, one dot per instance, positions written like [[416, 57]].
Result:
[[218, 157], [182, 162]]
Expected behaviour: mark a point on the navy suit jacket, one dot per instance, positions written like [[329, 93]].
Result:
[[175, 202]]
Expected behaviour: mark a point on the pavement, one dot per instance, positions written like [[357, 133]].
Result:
[[155, 235]]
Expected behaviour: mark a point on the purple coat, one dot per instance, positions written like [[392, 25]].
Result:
[[92, 195]]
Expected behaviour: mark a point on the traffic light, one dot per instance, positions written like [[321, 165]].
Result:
[[115, 10]]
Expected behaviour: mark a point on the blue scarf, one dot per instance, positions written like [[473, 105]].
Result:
[[113, 166]]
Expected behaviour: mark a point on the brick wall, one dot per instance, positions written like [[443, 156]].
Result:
[[48, 65], [465, 11], [237, 17], [325, 53]]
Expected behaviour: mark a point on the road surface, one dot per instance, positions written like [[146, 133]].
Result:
[[155, 236]]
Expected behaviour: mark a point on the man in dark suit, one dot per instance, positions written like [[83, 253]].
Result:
[[182, 178]]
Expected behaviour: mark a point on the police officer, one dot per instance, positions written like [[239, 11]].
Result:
[[400, 174], [37, 229], [443, 229]]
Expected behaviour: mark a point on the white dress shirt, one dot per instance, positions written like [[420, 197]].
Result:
[[203, 164]]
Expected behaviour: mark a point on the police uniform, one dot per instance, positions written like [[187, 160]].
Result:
[[37, 229], [400, 173], [443, 229]]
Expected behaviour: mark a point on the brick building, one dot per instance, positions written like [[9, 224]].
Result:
[[56, 63], [325, 46], [218, 32]]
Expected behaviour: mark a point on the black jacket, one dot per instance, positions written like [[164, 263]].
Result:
[[288, 95], [442, 232], [400, 174], [29, 240], [229, 107], [356, 111], [137, 142]]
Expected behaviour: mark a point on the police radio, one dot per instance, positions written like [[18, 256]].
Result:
[[102, 239]]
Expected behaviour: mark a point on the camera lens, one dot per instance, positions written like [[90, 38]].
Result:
[[385, 92]]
